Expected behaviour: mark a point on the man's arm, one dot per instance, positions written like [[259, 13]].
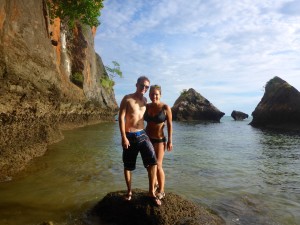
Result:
[[122, 114]]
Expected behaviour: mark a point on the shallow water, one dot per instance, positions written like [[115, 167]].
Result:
[[246, 175]]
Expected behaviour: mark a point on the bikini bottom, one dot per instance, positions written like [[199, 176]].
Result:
[[160, 140]]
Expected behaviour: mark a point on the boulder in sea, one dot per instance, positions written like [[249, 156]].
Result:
[[175, 210], [238, 115], [279, 108], [193, 106]]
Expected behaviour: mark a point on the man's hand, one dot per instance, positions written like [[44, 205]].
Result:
[[125, 143]]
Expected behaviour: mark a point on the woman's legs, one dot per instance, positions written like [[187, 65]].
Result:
[[160, 152]]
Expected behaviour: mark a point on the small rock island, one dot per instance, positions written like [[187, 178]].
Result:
[[238, 115], [191, 106], [279, 108]]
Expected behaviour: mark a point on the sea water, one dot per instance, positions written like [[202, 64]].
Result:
[[244, 174]]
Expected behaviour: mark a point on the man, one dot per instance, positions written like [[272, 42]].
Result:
[[135, 139]]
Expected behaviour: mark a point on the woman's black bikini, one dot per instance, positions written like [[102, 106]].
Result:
[[159, 118]]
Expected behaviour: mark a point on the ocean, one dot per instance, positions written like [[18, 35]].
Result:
[[246, 175]]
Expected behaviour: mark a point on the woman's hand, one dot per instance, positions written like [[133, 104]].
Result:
[[169, 146]]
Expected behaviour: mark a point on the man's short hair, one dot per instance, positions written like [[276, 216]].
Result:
[[142, 78]]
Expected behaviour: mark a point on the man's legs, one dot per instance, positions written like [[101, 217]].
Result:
[[149, 160], [128, 178]]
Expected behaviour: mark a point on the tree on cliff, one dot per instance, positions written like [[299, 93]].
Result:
[[85, 11], [108, 81]]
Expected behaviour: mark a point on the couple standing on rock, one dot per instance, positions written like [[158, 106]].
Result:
[[151, 142]]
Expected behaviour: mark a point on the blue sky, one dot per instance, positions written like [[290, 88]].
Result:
[[226, 50]]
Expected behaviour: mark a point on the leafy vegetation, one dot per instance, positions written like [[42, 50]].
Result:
[[86, 12], [108, 81], [184, 92], [70, 11], [77, 78]]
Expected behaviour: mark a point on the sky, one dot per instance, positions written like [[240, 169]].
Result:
[[224, 49]]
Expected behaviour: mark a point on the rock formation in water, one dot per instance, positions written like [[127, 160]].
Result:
[[48, 82], [113, 209], [238, 115], [192, 106], [279, 108]]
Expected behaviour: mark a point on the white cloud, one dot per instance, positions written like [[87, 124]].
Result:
[[226, 50]]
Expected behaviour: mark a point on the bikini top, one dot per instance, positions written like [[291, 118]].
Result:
[[159, 118]]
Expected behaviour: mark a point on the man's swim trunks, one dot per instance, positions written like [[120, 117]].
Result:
[[139, 142]]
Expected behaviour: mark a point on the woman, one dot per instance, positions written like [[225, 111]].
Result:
[[156, 114]]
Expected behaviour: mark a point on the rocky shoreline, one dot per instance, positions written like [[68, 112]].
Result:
[[113, 209], [38, 94], [175, 210]]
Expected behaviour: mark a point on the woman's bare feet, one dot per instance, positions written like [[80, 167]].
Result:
[[161, 195], [128, 196]]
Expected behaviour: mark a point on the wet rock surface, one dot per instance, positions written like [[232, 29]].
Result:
[[175, 210]]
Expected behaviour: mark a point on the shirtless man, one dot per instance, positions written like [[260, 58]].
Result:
[[135, 139]]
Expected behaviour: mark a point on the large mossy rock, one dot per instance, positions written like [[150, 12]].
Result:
[[279, 108], [193, 106], [175, 210]]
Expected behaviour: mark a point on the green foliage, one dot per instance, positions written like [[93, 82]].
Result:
[[108, 81], [77, 78], [183, 92], [112, 72], [85, 11]]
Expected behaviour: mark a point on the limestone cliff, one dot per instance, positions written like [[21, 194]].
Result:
[[37, 95], [279, 108]]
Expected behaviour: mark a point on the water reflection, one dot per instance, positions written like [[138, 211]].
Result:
[[279, 168], [70, 177], [280, 159], [247, 175]]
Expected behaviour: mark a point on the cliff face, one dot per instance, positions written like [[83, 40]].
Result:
[[37, 97], [279, 107]]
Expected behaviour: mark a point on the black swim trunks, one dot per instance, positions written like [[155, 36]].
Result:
[[139, 142]]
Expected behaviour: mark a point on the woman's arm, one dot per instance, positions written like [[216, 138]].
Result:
[[169, 128]]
